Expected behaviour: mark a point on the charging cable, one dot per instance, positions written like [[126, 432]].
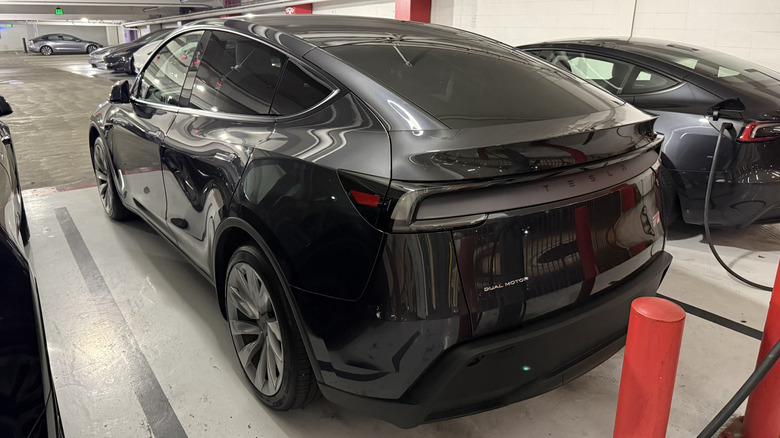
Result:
[[707, 196]]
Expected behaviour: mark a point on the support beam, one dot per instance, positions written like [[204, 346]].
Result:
[[413, 10]]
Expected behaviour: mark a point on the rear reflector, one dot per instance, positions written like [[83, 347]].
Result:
[[366, 199], [760, 131]]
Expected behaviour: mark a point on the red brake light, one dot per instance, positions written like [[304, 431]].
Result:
[[366, 199], [760, 131]]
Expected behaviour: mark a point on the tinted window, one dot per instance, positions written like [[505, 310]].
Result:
[[163, 78], [68, 37], [465, 88], [297, 91], [648, 82], [617, 77], [712, 64], [236, 75]]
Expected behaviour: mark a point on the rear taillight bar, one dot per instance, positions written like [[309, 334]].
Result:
[[760, 131]]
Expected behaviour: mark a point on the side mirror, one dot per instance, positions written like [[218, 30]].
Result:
[[120, 92], [5, 108]]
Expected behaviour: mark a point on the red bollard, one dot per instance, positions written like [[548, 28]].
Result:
[[762, 417], [655, 329]]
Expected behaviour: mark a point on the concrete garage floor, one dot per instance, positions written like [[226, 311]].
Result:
[[138, 347]]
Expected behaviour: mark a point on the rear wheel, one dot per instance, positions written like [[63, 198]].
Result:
[[46, 51], [112, 205], [265, 335], [91, 48]]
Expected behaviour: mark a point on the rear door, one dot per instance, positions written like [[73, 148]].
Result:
[[68, 43], [225, 114]]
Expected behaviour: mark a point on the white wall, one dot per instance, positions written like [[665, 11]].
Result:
[[525, 21], [749, 29], [11, 37], [365, 8]]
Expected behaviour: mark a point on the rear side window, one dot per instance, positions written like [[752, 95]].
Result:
[[236, 75], [164, 76], [464, 88], [297, 91]]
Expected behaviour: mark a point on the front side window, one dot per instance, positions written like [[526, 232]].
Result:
[[164, 76], [236, 75], [617, 77]]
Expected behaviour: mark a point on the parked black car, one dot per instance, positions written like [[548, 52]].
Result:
[[28, 404], [683, 85], [382, 217], [120, 57]]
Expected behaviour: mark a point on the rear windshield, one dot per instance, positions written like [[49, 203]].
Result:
[[468, 88], [716, 65]]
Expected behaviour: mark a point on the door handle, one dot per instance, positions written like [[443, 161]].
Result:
[[225, 157]]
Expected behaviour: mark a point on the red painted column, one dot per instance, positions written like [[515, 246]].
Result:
[[413, 10], [298, 9], [762, 417], [655, 329]]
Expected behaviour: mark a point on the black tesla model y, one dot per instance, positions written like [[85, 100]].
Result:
[[415, 221]]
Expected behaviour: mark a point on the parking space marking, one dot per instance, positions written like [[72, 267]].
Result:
[[717, 319], [156, 406]]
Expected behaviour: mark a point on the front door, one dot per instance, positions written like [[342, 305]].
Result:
[[138, 129]]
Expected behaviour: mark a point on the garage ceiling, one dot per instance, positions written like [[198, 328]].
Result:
[[97, 12]]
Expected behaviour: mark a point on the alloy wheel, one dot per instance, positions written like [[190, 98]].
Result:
[[91, 48], [101, 175], [46, 51], [254, 328]]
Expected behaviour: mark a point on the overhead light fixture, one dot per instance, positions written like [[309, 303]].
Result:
[[84, 19]]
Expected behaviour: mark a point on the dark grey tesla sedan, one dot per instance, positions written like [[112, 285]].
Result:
[[383, 218], [693, 91], [61, 43]]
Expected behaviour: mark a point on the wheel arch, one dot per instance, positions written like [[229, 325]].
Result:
[[230, 235]]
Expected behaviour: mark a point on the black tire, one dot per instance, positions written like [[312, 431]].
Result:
[[112, 205], [670, 203], [91, 48], [261, 324], [46, 51], [24, 228]]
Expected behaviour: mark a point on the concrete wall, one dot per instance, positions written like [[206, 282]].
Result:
[[11, 37], [366, 8], [749, 29]]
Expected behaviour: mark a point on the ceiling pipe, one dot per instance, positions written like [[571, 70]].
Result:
[[243, 9], [107, 4]]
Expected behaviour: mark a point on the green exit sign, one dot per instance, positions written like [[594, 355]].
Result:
[[58, 11], [9, 25]]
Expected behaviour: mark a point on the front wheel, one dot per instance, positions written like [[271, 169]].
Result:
[[265, 335], [91, 48], [46, 51], [112, 205]]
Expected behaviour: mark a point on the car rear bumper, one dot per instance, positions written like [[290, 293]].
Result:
[[732, 204], [496, 370]]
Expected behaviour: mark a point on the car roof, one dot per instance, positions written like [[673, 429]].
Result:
[[647, 47], [327, 30]]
